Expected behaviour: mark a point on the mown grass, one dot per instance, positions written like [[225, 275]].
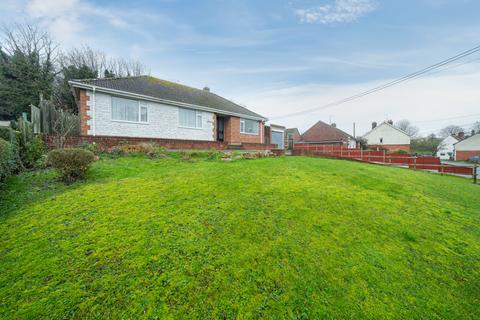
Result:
[[276, 238]]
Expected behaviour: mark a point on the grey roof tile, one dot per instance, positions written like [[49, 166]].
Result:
[[167, 90]]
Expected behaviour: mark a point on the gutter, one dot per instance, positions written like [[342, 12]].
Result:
[[93, 113], [164, 101]]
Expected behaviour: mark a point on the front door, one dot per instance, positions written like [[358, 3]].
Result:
[[220, 129]]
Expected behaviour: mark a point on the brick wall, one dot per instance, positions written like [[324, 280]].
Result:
[[83, 109], [233, 135], [465, 155], [107, 142]]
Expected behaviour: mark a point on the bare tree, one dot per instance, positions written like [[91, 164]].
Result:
[[29, 39], [121, 67], [476, 127], [64, 125], [99, 62], [407, 127], [84, 56], [451, 130]]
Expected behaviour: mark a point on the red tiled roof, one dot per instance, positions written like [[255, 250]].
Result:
[[324, 132]]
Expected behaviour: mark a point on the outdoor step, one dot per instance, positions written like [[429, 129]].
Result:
[[235, 146]]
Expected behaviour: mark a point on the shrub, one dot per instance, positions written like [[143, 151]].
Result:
[[72, 164], [157, 153], [92, 147], [142, 148], [7, 134], [214, 154], [31, 153], [116, 152], [8, 163]]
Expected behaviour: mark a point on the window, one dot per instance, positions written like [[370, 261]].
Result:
[[190, 118], [248, 126], [381, 140], [129, 110], [143, 112]]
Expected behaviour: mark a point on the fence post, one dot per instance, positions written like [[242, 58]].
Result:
[[341, 152], [414, 163], [475, 171], [384, 156]]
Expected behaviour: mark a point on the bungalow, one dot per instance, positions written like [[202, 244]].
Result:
[[322, 133], [147, 107], [446, 148], [387, 136], [468, 147]]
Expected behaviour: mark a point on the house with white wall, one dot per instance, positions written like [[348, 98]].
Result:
[[446, 148], [467, 148], [387, 136], [147, 107]]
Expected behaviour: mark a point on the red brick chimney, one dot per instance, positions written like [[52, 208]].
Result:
[[461, 135]]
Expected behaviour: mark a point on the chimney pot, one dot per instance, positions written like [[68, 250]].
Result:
[[206, 89], [461, 135], [390, 122], [374, 125], [334, 125]]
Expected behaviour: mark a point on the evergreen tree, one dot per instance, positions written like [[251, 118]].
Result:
[[63, 93]]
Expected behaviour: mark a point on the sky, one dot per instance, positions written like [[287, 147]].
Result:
[[282, 56]]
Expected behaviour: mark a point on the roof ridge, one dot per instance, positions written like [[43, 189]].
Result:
[[111, 78]]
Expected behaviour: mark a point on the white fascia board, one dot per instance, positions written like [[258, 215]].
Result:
[[169, 102]]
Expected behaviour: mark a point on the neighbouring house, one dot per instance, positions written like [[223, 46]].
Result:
[[446, 148], [387, 136], [323, 133], [274, 135], [147, 107], [468, 147], [292, 135]]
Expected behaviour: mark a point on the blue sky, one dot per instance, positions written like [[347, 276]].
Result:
[[282, 56]]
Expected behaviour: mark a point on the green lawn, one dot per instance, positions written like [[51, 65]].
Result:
[[276, 238]]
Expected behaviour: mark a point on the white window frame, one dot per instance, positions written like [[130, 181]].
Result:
[[242, 127], [198, 117], [140, 104]]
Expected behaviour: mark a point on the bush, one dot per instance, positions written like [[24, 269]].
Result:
[[31, 153], [8, 162], [72, 164], [92, 147], [7, 134], [214, 154], [116, 152], [142, 148]]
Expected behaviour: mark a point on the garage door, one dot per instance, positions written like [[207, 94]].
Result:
[[277, 138]]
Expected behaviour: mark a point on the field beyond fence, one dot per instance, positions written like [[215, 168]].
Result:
[[430, 163]]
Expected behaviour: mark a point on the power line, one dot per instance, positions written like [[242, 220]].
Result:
[[388, 84], [445, 119]]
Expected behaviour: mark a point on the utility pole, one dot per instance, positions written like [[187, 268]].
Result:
[[354, 130]]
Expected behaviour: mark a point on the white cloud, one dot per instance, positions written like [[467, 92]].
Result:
[[338, 12]]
